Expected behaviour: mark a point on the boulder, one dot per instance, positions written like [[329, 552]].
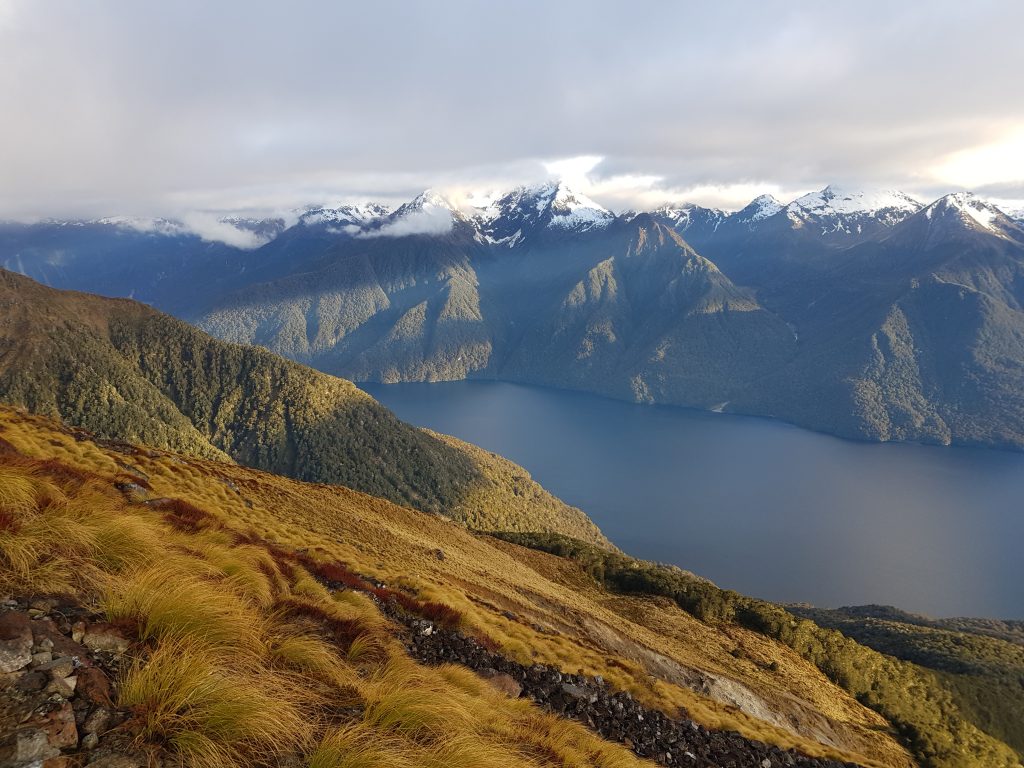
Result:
[[62, 667], [15, 641], [29, 746], [58, 725], [94, 686]]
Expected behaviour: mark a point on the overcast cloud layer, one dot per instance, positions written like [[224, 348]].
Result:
[[162, 108]]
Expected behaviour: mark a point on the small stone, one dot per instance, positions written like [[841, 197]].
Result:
[[439, 554], [97, 722], [30, 682], [30, 747], [105, 637], [15, 641], [59, 762], [62, 686], [90, 740], [43, 604], [578, 692], [78, 631], [46, 644], [35, 613], [59, 726], [766, 763], [43, 657], [59, 668]]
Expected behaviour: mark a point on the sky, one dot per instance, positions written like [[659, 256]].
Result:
[[192, 108]]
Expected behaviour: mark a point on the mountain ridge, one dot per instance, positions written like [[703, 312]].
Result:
[[123, 370], [508, 294]]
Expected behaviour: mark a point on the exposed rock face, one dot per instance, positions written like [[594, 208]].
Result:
[[615, 715]]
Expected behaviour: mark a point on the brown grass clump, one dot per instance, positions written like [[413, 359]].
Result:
[[211, 714], [232, 577], [342, 630], [186, 517]]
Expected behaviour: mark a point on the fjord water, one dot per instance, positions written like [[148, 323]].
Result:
[[756, 505]]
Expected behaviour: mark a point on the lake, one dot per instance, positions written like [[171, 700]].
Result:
[[757, 505]]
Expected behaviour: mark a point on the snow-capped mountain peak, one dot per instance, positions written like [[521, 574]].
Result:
[[571, 209], [833, 200], [429, 213], [352, 215], [969, 209], [686, 215], [514, 216], [428, 198], [761, 207], [838, 211]]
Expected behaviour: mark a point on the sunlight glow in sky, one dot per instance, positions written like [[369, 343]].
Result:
[[148, 108]]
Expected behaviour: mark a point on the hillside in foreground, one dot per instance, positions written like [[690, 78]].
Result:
[[314, 625], [127, 372]]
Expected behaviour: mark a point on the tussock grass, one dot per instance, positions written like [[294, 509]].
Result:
[[56, 544], [212, 715], [222, 585], [407, 700], [359, 746], [248, 571], [170, 603]]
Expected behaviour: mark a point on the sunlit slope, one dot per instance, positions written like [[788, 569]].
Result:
[[536, 607], [125, 371]]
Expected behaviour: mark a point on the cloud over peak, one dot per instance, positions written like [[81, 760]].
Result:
[[157, 108]]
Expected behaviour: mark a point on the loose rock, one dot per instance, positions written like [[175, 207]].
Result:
[[15, 641]]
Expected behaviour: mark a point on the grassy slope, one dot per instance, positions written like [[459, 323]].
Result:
[[537, 607], [947, 722], [128, 372]]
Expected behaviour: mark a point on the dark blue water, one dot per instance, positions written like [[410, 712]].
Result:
[[756, 505]]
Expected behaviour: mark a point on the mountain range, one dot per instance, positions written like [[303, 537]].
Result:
[[129, 373], [861, 313], [151, 463]]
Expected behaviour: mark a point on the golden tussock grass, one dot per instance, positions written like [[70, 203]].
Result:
[[239, 663], [214, 715], [225, 589]]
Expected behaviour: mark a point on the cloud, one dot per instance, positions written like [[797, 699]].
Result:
[[212, 228], [156, 109], [207, 226], [429, 220]]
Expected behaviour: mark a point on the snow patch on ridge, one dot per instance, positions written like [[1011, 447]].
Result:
[[971, 210], [832, 201], [761, 207], [687, 214], [364, 213], [572, 209]]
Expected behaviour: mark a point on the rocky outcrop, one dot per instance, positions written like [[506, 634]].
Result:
[[614, 715], [57, 670]]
